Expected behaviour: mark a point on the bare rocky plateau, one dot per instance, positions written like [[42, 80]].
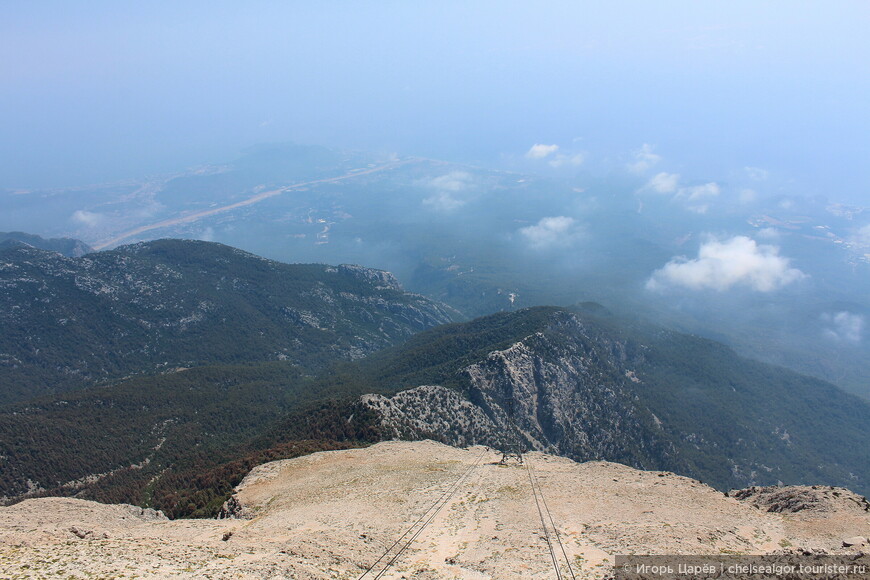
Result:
[[333, 514]]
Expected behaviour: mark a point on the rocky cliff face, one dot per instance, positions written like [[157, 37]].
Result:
[[649, 398], [433, 411], [380, 279], [559, 390], [806, 498]]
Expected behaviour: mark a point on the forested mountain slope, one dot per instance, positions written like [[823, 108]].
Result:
[[591, 386], [237, 360], [160, 305]]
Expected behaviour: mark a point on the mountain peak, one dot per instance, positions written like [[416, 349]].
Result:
[[66, 246], [335, 513]]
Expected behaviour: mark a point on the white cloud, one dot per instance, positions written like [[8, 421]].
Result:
[[693, 197], [539, 151], [444, 202], [454, 181], [87, 218], [738, 261], [644, 158], [747, 196], [845, 326], [562, 160], [699, 192], [863, 236], [769, 233], [756, 173], [206, 235], [663, 183], [148, 210], [697, 195], [551, 231], [447, 187]]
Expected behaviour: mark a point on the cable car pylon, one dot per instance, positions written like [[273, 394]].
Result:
[[511, 448]]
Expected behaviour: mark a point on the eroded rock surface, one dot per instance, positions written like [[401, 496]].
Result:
[[803, 498], [332, 514]]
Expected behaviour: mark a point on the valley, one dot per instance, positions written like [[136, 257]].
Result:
[[327, 357], [172, 374], [194, 217], [484, 240]]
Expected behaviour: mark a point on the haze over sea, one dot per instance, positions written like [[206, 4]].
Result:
[[100, 91]]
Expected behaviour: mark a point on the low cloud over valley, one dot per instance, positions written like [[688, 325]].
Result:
[[721, 265]]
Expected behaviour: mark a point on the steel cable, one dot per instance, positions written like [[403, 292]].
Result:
[[442, 500], [553, 524], [543, 522]]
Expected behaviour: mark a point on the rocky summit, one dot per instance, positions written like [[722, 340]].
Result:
[[430, 511]]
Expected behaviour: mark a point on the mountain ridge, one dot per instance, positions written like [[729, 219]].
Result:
[[69, 247], [166, 304], [581, 382], [582, 389]]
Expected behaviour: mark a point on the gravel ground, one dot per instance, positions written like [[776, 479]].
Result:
[[333, 514]]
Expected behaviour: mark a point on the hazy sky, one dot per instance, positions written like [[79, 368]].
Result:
[[92, 91]]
